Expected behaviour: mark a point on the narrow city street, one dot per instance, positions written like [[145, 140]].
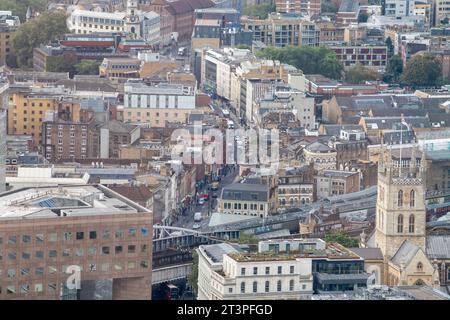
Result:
[[209, 207]]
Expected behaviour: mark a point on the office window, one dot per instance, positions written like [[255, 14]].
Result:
[[52, 286], [25, 256], [79, 252], [39, 271], [280, 268], [242, 287], [131, 265], [131, 248], [26, 239], [92, 267], [119, 234], [52, 269], [80, 235], [118, 249], [144, 248], [105, 235], [38, 287], [39, 238], [267, 286], [52, 254], [131, 232], [144, 264], [53, 237], [105, 250], [12, 240], [144, 231], [291, 285], [10, 289], [255, 270], [24, 272], [66, 252], [11, 273], [67, 236], [105, 267], [12, 255], [291, 269], [93, 235], [255, 286], [279, 285], [39, 254], [267, 270], [92, 251], [242, 271]]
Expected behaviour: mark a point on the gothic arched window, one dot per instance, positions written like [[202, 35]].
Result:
[[400, 198], [400, 224], [412, 199], [411, 223]]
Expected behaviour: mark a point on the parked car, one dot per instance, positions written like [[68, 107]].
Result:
[[201, 201], [196, 226]]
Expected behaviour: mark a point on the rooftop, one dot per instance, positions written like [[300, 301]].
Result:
[[61, 201]]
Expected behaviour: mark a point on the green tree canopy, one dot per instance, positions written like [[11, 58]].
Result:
[[19, 7], [310, 60], [88, 67], [422, 71], [389, 44], [363, 17], [342, 239], [192, 278], [328, 6], [47, 27], [359, 74], [395, 67], [261, 10]]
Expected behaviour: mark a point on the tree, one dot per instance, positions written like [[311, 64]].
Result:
[[360, 74], [89, 67], [343, 239], [328, 6], [363, 17], [19, 7], [61, 64], [395, 67], [261, 11], [243, 46], [422, 71], [309, 59], [47, 27], [192, 278], [389, 45], [245, 238]]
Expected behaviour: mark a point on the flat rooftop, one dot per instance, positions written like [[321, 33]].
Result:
[[332, 251], [61, 201]]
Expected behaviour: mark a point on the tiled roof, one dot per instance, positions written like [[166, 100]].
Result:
[[134, 193]]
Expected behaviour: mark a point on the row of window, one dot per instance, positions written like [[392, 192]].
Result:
[[80, 235], [267, 286], [239, 206], [267, 270], [78, 252]]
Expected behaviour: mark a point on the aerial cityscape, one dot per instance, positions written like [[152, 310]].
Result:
[[224, 150]]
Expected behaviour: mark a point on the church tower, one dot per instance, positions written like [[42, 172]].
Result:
[[400, 210], [132, 20]]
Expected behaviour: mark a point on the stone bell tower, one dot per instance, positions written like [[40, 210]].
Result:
[[132, 20], [400, 210]]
